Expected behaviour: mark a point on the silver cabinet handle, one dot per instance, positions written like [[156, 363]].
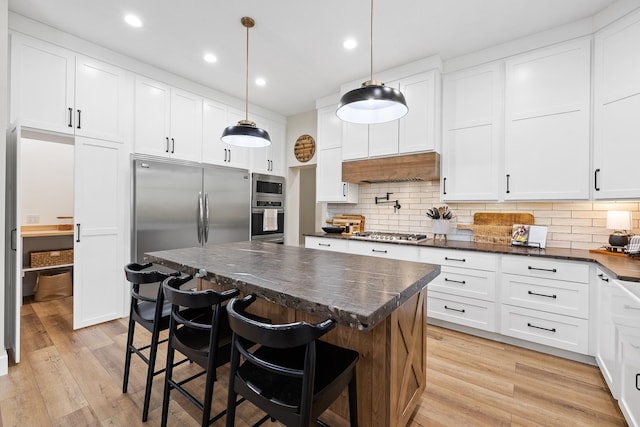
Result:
[[199, 212], [205, 220]]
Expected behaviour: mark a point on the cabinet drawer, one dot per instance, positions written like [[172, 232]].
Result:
[[466, 282], [326, 244], [555, 296], [463, 311], [567, 333], [384, 250], [455, 258], [546, 268]]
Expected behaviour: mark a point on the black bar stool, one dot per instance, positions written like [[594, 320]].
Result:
[[205, 339], [290, 375], [150, 312]]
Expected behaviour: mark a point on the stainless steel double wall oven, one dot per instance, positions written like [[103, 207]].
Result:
[[267, 199]]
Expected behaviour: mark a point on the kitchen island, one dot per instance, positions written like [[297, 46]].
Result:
[[379, 305]]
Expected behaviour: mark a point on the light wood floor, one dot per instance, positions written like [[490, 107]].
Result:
[[74, 378]]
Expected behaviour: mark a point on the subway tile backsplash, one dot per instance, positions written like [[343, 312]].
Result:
[[575, 225]]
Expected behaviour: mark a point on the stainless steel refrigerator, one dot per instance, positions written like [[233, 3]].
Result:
[[179, 205]]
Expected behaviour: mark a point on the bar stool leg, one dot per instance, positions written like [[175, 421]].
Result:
[[167, 386], [353, 401], [153, 352], [127, 358]]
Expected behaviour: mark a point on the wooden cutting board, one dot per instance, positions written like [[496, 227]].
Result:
[[341, 220], [495, 227]]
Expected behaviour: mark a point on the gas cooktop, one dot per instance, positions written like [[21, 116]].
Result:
[[389, 237]]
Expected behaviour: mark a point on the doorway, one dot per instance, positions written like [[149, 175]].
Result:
[[307, 217]]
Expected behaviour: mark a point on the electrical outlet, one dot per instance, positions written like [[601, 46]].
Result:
[[33, 219]]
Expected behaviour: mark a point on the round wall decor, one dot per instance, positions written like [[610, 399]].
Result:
[[305, 148]]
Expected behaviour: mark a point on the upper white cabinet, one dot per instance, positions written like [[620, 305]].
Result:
[[215, 118], [418, 131], [269, 160], [329, 184], [472, 120], [547, 123], [54, 89], [616, 106], [168, 121]]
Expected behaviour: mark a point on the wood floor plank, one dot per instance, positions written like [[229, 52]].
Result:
[[58, 388]]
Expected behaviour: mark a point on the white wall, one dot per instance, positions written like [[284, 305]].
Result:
[[47, 181]]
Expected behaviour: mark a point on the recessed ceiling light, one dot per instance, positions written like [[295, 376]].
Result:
[[350, 44], [210, 57], [133, 20], [260, 81]]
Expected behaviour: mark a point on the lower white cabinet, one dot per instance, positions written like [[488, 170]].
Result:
[[625, 308], [546, 301], [326, 244], [564, 332], [471, 312], [384, 250], [606, 332]]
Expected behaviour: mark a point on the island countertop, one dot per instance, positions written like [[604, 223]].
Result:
[[355, 290]]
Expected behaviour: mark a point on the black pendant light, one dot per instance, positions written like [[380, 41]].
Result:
[[373, 102], [246, 133]]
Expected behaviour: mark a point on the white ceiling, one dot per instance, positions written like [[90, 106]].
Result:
[[296, 45]]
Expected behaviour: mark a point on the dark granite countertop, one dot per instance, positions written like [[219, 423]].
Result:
[[619, 267], [356, 290]]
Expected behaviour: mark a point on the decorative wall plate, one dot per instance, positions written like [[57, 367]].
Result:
[[305, 148]]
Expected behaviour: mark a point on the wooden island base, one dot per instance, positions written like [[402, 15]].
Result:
[[391, 372]]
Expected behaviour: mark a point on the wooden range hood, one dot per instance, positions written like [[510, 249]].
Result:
[[411, 167]]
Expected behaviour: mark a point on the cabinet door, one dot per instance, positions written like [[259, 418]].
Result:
[[329, 129], [472, 134], [355, 141], [547, 123], [616, 106], [186, 126], [329, 185], [152, 109], [215, 118], [42, 85], [99, 101], [276, 149], [101, 183], [383, 139], [261, 157], [419, 129]]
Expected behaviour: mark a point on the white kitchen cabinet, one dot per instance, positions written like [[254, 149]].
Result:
[[355, 141], [53, 89], [546, 301], [326, 244], [471, 146], [215, 118], [605, 332], [419, 129], [168, 121], [329, 185], [465, 291], [616, 106], [384, 250], [547, 123], [626, 318], [269, 160]]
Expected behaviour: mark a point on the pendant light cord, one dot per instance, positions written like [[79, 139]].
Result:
[[246, 80], [371, 40]]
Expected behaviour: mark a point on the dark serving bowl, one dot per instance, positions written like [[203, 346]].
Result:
[[333, 229]]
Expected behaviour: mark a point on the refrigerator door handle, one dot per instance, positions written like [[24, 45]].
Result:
[[199, 217], [205, 218]]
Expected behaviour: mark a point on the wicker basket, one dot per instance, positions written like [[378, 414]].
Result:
[[50, 258]]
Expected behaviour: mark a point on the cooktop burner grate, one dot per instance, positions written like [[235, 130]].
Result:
[[389, 237]]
